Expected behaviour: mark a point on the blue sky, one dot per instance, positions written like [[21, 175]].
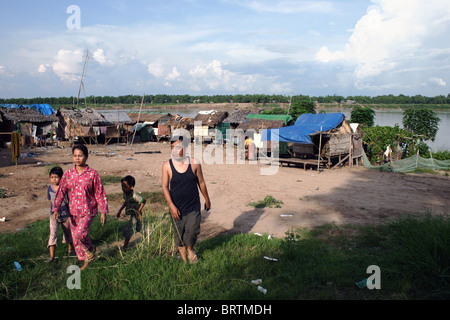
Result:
[[207, 47]]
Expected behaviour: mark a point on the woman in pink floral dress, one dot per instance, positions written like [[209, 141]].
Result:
[[86, 192]]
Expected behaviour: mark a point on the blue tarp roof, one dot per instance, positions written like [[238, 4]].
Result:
[[43, 108], [305, 125]]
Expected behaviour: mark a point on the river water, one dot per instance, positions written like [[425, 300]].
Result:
[[385, 117]]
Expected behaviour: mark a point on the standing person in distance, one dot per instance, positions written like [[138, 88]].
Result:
[[86, 193], [182, 176]]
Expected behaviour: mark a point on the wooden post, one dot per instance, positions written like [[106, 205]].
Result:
[[432, 160], [139, 116], [320, 147], [351, 151], [417, 159]]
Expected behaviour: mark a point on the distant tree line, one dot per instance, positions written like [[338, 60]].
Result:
[[238, 98]]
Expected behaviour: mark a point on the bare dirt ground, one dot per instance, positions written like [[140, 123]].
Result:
[[348, 195]]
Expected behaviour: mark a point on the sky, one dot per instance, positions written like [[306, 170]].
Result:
[[209, 47]]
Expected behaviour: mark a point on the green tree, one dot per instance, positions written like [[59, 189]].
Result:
[[363, 116], [422, 122], [377, 138], [300, 106]]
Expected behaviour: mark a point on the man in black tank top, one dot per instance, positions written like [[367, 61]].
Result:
[[181, 178]]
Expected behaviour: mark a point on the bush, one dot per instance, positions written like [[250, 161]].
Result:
[[363, 116], [268, 202]]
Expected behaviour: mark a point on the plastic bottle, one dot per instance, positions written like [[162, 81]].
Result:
[[361, 284], [18, 266], [257, 281], [261, 289]]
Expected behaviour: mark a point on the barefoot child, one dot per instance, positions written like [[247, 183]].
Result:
[[133, 203], [61, 216]]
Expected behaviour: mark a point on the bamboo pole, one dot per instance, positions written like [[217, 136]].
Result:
[[290, 101], [82, 77], [139, 116]]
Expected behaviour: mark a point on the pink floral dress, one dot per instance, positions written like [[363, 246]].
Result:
[[86, 193]]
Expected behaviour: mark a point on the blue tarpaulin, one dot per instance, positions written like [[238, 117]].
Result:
[[305, 125], [43, 108]]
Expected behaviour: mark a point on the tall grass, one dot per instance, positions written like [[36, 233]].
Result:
[[422, 252], [322, 263]]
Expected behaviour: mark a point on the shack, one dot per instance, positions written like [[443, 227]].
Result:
[[81, 124], [116, 128], [208, 120], [179, 122], [236, 118], [36, 123], [164, 131], [148, 128], [260, 122], [321, 139]]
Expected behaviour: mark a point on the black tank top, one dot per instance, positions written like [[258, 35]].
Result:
[[184, 190]]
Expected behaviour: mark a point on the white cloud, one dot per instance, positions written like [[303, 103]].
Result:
[[325, 55], [4, 71], [438, 82], [391, 33], [68, 65], [213, 76], [174, 75], [43, 68], [155, 68], [280, 87], [99, 56]]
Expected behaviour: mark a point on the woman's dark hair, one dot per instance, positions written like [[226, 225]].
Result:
[[56, 170], [129, 180], [83, 149]]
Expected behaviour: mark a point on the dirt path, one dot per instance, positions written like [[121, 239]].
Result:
[[348, 195]]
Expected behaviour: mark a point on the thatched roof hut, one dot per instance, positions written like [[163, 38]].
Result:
[[178, 121], [211, 118], [80, 123], [25, 115], [260, 124], [29, 121], [237, 117], [83, 117]]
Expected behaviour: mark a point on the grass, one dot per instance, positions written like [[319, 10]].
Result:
[[106, 180], [268, 202], [322, 263]]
